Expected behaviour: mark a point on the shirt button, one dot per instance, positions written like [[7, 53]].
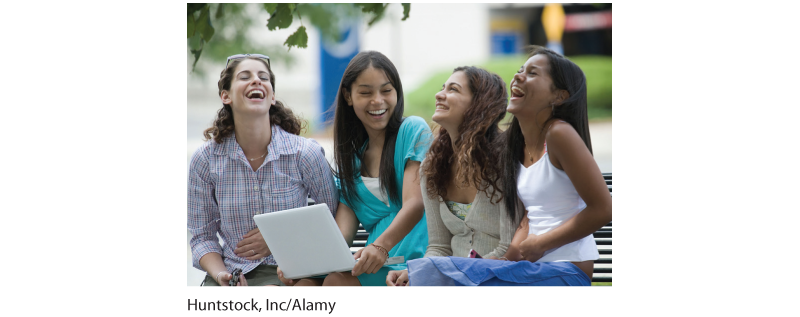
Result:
[[255, 187]]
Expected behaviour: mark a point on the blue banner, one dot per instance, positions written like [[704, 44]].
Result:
[[334, 57]]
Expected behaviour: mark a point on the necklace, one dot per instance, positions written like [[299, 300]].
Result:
[[253, 159], [529, 152]]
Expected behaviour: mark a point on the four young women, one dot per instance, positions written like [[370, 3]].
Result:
[[546, 183]]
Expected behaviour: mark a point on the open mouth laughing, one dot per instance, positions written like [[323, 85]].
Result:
[[256, 95], [516, 92]]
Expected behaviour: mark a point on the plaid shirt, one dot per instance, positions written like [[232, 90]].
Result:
[[224, 192]]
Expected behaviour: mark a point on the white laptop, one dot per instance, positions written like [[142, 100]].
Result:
[[306, 241]]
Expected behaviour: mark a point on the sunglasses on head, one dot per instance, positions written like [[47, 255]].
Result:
[[241, 56]]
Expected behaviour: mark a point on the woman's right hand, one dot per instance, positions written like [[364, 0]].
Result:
[[397, 278], [288, 282], [225, 278]]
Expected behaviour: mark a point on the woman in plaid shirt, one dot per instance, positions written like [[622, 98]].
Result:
[[253, 162]]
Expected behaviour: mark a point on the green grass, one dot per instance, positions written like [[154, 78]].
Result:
[[601, 283], [420, 102]]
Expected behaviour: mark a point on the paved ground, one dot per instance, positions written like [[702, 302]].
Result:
[[203, 108]]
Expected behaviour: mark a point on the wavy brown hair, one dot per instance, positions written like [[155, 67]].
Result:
[[279, 114], [477, 146]]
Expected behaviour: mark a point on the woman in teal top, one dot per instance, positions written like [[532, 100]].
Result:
[[375, 147]]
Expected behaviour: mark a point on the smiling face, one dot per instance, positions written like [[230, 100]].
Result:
[[453, 101], [250, 91], [532, 88], [373, 98]]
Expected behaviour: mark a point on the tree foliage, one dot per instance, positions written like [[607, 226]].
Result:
[[326, 17]]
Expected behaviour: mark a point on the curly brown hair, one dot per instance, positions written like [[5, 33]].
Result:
[[477, 147], [279, 114]]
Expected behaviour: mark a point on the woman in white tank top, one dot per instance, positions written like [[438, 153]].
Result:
[[547, 168], [549, 164]]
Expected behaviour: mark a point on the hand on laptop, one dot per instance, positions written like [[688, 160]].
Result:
[[370, 260], [288, 282], [397, 278], [252, 246]]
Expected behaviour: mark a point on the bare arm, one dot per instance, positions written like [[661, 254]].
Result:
[[411, 212], [347, 222], [409, 215], [213, 265], [513, 253], [569, 153]]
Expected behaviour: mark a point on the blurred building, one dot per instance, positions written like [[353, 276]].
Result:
[[587, 28]]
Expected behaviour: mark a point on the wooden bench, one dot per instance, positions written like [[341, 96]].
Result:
[[602, 266]]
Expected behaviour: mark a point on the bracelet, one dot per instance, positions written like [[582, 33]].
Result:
[[220, 272], [382, 249], [503, 258]]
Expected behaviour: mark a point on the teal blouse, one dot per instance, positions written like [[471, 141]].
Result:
[[413, 141]]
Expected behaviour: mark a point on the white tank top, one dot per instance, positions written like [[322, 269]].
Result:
[[550, 199]]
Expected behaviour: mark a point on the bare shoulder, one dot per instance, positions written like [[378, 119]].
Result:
[[564, 143], [561, 134]]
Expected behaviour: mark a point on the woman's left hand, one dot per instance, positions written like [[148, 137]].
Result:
[[530, 249], [371, 260], [252, 247]]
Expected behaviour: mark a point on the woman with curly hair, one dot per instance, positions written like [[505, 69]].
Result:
[[552, 185], [253, 162], [459, 178]]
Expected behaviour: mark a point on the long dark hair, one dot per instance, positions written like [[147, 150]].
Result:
[[566, 76], [279, 114], [349, 133], [477, 145]]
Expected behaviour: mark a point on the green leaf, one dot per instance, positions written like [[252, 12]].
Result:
[[203, 25], [219, 11], [190, 25], [406, 10], [199, 23], [194, 7], [196, 57], [196, 42], [378, 14], [282, 18], [299, 38], [370, 7], [270, 7], [196, 45]]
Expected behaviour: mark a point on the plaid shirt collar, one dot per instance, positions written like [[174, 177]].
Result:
[[281, 144]]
